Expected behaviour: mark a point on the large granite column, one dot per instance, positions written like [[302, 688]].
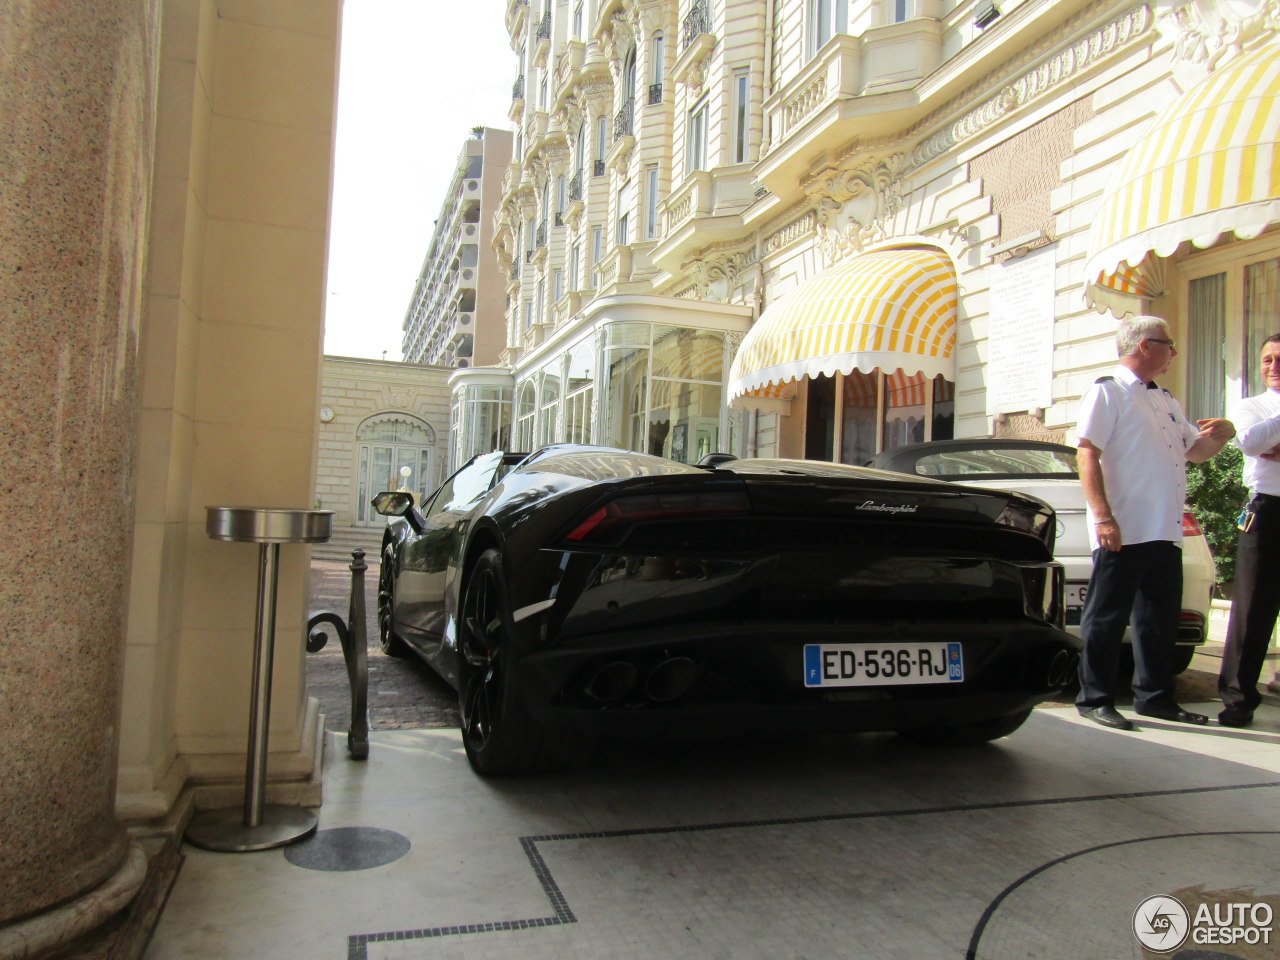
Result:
[[76, 128]]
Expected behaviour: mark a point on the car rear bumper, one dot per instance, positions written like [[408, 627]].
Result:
[[721, 678]]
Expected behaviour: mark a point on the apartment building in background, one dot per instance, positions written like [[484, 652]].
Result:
[[824, 228], [456, 315]]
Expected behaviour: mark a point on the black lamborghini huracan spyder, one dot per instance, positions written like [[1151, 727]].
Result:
[[580, 592]]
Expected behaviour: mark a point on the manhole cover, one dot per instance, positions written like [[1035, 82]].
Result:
[[347, 848]]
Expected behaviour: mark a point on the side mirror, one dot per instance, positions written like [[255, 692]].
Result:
[[393, 503], [399, 503]]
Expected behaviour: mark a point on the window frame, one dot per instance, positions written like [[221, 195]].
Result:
[[741, 114], [696, 131], [651, 181], [1230, 259]]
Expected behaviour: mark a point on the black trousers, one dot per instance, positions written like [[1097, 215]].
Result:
[[1139, 585], [1254, 607]]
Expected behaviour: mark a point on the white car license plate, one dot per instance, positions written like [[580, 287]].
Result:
[[1076, 592], [880, 664]]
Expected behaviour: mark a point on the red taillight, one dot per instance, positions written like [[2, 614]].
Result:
[[1190, 525], [624, 511]]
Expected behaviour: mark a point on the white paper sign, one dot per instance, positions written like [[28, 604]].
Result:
[[1020, 344]]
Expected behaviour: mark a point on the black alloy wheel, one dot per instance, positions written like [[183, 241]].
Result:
[[499, 734], [391, 644]]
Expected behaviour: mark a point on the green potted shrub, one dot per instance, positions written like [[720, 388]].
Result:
[[1216, 494]]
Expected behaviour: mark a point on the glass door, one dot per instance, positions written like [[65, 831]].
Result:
[[383, 468], [393, 453]]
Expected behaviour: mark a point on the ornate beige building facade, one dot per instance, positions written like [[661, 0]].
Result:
[[822, 228]]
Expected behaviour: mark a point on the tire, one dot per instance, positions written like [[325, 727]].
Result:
[[966, 734], [1182, 656], [390, 643], [498, 732], [1179, 660]]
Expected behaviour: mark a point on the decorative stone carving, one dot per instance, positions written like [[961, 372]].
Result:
[[717, 271], [855, 204], [575, 111], [558, 158], [1207, 33], [1055, 71], [696, 76], [732, 342], [597, 94], [623, 29]]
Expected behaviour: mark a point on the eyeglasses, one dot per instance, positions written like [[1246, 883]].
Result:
[[1168, 343]]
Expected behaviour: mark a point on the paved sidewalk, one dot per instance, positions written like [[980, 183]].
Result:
[[825, 848]]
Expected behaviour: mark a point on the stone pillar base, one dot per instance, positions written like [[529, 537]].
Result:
[[43, 934]]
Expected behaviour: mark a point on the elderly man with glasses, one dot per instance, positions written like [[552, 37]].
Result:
[[1134, 442]]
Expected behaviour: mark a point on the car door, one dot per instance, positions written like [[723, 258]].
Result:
[[423, 573]]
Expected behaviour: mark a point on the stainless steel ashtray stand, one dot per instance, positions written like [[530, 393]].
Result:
[[260, 825]]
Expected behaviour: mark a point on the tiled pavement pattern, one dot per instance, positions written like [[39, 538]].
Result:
[[1039, 846]]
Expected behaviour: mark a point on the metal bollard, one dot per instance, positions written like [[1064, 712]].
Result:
[[353, 637]]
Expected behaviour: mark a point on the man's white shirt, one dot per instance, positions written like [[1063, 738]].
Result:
[[1257, 421], [1144, 437]]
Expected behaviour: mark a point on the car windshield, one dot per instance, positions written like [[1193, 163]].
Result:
[[999, 462]]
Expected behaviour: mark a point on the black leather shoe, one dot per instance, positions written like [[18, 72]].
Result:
[[1108, 717], [1235, 717], [1172, 713]]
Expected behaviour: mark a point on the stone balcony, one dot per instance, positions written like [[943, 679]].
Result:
[[517, 16], [861, 86], [706, 207], [568, 66]]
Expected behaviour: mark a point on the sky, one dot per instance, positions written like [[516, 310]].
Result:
[[415, 76]]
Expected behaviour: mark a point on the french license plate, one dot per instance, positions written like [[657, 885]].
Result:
[[1076, 592], [880, 664]]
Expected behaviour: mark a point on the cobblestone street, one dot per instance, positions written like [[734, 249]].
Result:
[[404, 694]]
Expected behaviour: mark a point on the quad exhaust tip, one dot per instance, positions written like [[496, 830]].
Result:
[[611, 682], [1062, 668], [671, 679]]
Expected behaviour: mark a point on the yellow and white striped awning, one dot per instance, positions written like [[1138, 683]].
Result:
[[1209, 164], [889, 309]]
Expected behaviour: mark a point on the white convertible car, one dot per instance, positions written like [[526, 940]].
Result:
[[1048, 471]]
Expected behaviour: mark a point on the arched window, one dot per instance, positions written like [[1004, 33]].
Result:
[[386, 444]]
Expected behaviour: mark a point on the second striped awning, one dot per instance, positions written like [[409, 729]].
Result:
[[1209, 164], [888, 309]]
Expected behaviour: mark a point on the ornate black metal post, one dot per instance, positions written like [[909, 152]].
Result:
[[353, 637]]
